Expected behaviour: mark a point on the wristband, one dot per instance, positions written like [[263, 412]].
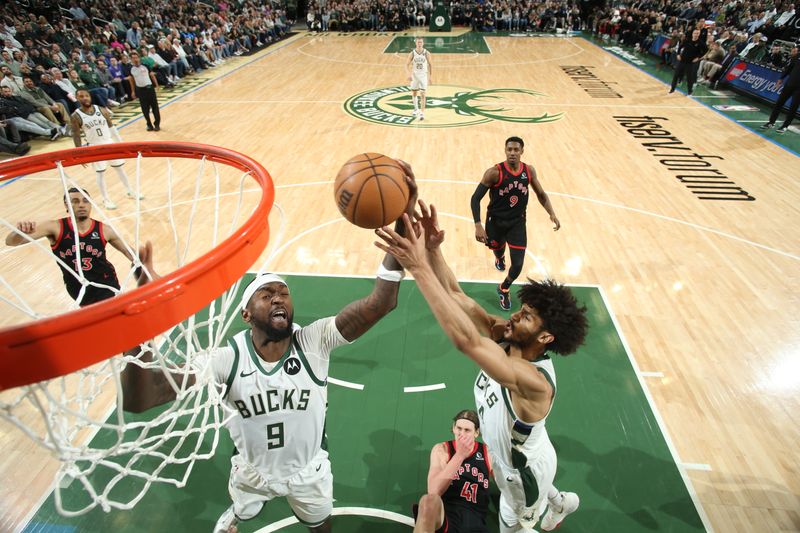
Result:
[[390, 275]]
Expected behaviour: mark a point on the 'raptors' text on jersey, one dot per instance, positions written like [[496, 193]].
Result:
[[90, 254], [508, 198]]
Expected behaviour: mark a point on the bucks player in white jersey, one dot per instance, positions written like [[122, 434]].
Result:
[[98, 128], [275, 376], [419, 74], [516, 386]]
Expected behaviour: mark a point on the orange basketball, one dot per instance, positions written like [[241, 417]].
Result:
[[371, 191]]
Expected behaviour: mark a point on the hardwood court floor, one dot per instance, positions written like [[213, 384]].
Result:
[[704, 290]]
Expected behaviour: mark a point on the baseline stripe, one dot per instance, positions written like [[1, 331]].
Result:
[[340, 511], [342, 383], [425, 388], [696, 466]]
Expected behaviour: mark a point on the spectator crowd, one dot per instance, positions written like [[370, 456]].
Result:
[[50, 51]]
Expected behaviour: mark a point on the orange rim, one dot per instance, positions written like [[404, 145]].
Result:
[[59, 345]]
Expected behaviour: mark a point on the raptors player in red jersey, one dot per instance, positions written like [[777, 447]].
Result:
[[86, 247], [458, 482], [507, 184]]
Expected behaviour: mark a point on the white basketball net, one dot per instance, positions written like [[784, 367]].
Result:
[[80, 417]]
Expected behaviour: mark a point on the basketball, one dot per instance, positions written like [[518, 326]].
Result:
[[371, 191]]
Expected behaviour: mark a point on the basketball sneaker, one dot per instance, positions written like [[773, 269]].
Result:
[[135, 196], [781, 130], [421, 116], [766, 126], [500, 263], [108, 204], [505, 298], [553, 518], [227, 521]]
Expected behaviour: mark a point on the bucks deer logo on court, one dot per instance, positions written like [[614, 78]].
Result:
[[449, 106]]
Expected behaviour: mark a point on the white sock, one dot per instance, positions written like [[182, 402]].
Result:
[[123, 178], [101, 184], [555, 498]]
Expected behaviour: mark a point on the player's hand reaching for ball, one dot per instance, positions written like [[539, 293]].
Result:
[[413, 190], [409, 250], [146, 259], [429, 222]]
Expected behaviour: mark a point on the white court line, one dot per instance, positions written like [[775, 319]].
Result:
[[697, 466], [470, 183], [709, 96], [443, 64], [517, 104], [600, 202], [679, 221], [343, 383], [339, 511], [231, 102], [651, 374], [425, 388], [762, 120], [363, 276], [657, 415]]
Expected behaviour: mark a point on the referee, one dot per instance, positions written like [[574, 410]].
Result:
[[143, 86]]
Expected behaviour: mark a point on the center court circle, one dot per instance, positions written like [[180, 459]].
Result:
[[448, 106]]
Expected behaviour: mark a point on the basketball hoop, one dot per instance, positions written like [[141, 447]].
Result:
[[66, 366], [141, 314]]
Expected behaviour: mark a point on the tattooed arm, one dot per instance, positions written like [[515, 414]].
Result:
[[359, 316]]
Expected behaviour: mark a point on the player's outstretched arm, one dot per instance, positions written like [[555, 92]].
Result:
[[34, 230], [513, 373], [144, 388], [359, 316], [434, 237]]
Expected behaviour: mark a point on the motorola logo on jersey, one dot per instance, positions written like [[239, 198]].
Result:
[[291, 366], [449, 106]]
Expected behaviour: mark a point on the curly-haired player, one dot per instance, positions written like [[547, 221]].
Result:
[[516, 386]]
